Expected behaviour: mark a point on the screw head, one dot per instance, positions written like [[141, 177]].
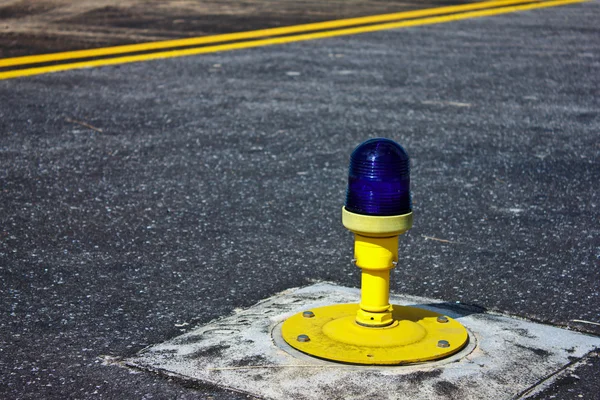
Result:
[[442, 319], [308, 314], [303, 338], [443, 343]]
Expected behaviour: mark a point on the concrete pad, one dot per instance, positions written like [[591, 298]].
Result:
[[506, 356]]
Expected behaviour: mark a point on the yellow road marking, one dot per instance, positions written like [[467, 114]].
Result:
[[285, 39], [69, 55]]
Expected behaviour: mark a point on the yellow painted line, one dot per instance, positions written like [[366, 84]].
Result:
[[132, 48], [282, 40]]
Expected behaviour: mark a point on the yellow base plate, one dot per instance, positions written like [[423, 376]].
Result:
[[416, 335]]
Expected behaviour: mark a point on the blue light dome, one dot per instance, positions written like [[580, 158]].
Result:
[[379, 179]]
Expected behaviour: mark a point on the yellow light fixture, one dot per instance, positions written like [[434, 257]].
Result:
[[378, 209]]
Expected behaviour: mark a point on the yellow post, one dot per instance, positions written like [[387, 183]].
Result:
[[376, 253], [369, 333], [375, 290], [376, 257]]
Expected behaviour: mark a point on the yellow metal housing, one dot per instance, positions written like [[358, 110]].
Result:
[[368, 225], [376, 257], [374, 331], [333, 334]]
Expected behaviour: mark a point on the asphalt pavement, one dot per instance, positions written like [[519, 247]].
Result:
[[143, 199], [48, 26]]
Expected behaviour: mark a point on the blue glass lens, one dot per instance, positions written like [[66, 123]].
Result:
[[379, 179]]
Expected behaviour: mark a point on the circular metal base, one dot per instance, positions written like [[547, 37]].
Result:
[[332, 333]]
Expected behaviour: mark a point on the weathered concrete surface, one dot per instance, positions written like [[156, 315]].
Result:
[[506, 357]]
